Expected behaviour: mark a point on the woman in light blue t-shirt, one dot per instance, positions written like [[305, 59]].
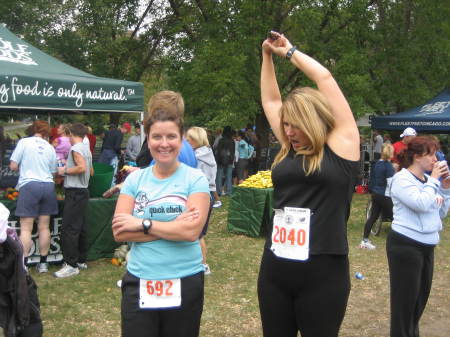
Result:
[[161, 210]]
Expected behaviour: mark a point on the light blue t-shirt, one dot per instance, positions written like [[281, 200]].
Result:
[[36, 159], [164, 200], [243, 149]]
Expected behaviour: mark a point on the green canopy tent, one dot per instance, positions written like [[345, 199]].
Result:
[[31, 80], [34, 82]]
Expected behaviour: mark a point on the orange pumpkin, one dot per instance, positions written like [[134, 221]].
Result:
[[115, 261]]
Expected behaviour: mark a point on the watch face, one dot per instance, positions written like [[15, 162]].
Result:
[[146, 223]]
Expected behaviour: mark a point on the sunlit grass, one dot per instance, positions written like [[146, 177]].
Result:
[[89, 304]]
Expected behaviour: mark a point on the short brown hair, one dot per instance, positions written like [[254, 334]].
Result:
[[417, 146], [40, 127], [78, 130], [162, 115], [166, 100]]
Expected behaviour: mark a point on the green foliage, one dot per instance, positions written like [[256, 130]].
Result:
[[386, 55]]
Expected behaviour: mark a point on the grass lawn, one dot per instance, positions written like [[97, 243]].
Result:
[[89, 304]]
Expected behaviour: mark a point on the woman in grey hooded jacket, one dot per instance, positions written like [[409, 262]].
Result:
[[198, 138]]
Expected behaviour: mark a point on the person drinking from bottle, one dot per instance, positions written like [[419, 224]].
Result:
[[420, 202]]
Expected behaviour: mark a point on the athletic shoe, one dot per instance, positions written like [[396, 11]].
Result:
[[66, 271], [119, 284], [82, 266], [217, 204], [366, 244], [42, 267], [207, 270]]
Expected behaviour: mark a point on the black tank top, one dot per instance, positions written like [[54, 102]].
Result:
[[327, 193]]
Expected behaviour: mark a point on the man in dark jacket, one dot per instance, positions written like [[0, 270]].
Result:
[[225, 160], [111, 145]]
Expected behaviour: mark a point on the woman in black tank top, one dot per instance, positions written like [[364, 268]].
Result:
[[304, 279]]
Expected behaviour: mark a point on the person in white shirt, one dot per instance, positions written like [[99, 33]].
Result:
[[377, 143], [36, 161], [134, 144]]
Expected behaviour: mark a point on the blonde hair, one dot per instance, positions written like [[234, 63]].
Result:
[[198, 135], [387, 152], [308, 110]]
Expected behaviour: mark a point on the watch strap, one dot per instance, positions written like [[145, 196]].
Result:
[[291, 52]]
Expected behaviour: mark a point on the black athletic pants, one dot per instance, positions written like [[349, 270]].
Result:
[[410, 273], [74, 231], [310, 297], [380, 205], [178, 322]]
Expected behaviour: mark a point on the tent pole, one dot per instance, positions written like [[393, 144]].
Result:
[[371, 144], [142, 127]]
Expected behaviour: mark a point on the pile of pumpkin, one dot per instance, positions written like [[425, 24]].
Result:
[[9, 193], [262, 179]]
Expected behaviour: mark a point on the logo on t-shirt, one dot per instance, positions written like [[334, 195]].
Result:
[[167, 206]]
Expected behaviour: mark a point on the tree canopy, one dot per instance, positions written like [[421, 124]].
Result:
[[387, 55]]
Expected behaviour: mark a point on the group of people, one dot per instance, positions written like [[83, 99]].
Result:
[[303, 283], [302, 286], [236, 154], [38, 163]]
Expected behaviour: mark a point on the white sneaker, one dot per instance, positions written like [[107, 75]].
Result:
[[207, 270], [42, 267], [367, 245], [82, 266], [217, 204], [66, 271]]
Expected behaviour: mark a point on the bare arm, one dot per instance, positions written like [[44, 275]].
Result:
[[121, 232], [270, 92], [80, 165], [186, 227], [344, 139], [13, 166]]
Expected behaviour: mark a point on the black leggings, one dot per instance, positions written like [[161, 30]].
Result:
[[410, 273], [380, 204], [310, 297], [178, 322]]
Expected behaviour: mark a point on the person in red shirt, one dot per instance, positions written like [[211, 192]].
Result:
[[92, 139], [407, 135]]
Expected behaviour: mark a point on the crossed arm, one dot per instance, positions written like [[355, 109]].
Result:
[[186, 227]]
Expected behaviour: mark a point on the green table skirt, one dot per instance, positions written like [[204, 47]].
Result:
[[250, 210], [99, 215]]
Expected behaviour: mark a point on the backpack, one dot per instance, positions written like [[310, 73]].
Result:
[[224, 155], [251, 151]]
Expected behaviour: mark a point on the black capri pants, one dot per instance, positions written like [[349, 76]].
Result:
[[380, 205], [178, 322], [307, 296]]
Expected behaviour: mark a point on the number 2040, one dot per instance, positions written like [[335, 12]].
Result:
[[160, 288], [294, 237]]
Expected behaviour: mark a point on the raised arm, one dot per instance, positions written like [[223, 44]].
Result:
[[344, 139], [270, 92]]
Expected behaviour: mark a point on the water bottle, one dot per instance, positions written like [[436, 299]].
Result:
[[359, 276], [446, 175]]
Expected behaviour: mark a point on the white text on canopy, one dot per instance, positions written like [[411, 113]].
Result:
[[12, 88]]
